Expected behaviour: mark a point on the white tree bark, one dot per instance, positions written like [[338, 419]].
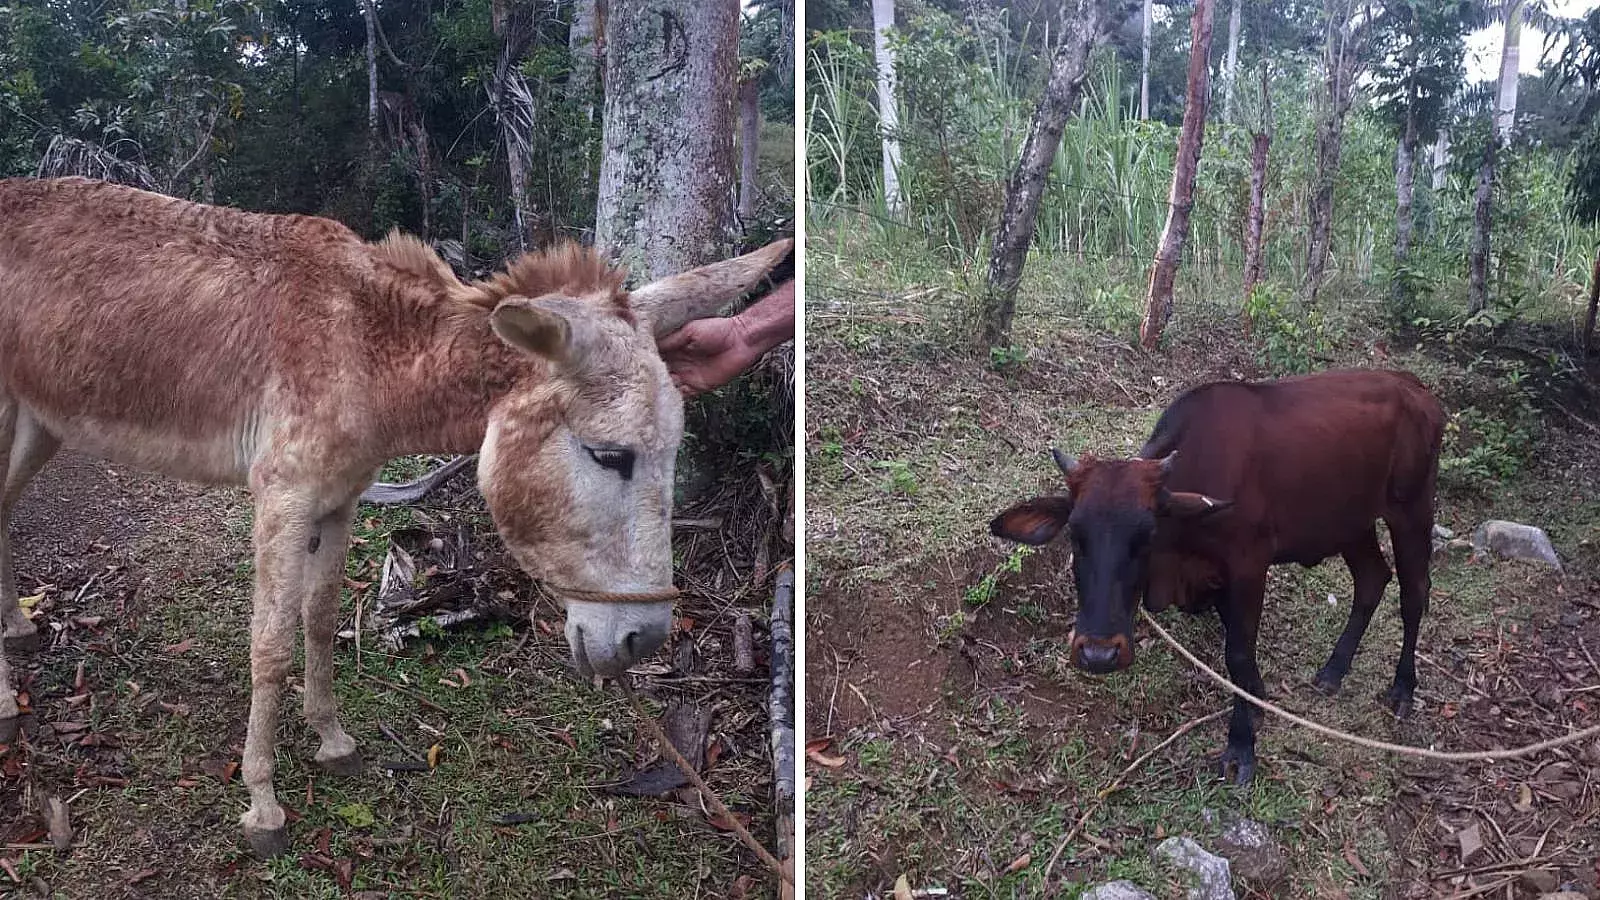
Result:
[[888, 109], [1441, 160], [1505, 112], [1144, 62], [1231, 69], [667, 168], [371, 13], [583, 46]]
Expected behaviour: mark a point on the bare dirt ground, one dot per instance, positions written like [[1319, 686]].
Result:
[[953, 746], [142, 585]]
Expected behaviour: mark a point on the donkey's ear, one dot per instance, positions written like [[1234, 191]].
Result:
[[1035, 521], [558, 330], [666, 304]]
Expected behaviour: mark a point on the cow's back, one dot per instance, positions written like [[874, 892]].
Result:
[[1309, 462], [146, 328]]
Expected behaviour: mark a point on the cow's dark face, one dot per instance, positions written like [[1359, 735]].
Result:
[[1112, 513]]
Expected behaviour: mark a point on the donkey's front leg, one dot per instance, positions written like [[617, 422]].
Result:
[[326, 550], [283, 526]]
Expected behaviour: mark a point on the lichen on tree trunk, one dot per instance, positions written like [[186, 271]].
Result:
[[1340, 55], [1482, 212], [749, 137], [1019, 218], [666, 169], [1255, 219], [1180, 202]]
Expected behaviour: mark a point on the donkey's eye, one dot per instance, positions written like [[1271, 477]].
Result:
[[616, 459]]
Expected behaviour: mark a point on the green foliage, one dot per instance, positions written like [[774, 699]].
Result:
[[1485, 445], [901, 480], [1289, 338], [988, 586]]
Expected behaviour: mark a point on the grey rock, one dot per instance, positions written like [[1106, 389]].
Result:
[[1214, 877], [1117, 890], [1513, 540], [1442, 533], [1253, 856]]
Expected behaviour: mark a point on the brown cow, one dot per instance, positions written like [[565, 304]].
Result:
[[1303, 467], [286, 354]]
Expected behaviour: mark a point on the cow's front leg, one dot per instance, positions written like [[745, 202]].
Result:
[[325, 558], [282, 529], [1241, 620]]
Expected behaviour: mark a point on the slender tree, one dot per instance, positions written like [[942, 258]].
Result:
[[1180, 201], [1144, 59], [667, 170], [888, 108], [1505, 116], [1344, 34], [1255, 218], [1086, 25], [583, 48], [509, 94], [1417, 69], [1230, 69]]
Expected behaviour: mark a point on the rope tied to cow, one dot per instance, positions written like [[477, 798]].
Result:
[[712, 800], [1400, 749]]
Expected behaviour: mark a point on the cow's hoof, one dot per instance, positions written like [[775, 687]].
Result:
[[1242, 760], [266, 843], [346, 766], [22, 644], [9, 728], [1399, 702], [1328, 681]]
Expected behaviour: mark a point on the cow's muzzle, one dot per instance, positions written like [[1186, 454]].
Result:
[[1102, 655]]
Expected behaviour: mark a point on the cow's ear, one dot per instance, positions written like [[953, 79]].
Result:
[[1034, 521], [1186, 505]]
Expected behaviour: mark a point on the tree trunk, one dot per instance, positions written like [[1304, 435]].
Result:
[[583, 47], [512, 21], [1404, 191], [888, 108], [749, 135], [1482, 210], [372, 75], [1441, 160], [1180, 202], [1594, 306], [1144, 61], [1505, 111], [666, 169], [1505, 116], [1339, 71], [1255, 220], [1231, 69], [1023, 192]]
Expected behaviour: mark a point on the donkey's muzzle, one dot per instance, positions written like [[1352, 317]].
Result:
[[607, 638], [1102, 656]]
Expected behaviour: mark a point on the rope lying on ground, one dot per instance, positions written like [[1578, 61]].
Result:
[[739, 830], [1423, 752]]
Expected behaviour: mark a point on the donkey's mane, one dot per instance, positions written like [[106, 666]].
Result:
[[568, 269]]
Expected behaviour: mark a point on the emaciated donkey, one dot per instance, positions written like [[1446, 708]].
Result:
[[285, 354]]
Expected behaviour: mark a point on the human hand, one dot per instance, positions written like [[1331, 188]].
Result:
[[706, 354]]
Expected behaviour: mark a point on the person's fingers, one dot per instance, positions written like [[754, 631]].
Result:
[[672, 343]]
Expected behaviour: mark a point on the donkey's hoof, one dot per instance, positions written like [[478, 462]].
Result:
[[22, 644], [9, 728], [266, 843], [346, 766]]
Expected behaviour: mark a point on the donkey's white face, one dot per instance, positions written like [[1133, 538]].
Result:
[[577, 466]]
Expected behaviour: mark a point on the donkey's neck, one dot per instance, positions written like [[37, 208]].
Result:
[[439, 384]]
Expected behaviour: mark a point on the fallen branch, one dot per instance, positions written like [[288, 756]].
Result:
[[1117, 784], [780, 711], [384, 493], [705, 790]]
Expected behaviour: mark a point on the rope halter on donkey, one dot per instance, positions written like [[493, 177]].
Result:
[[657, 596]]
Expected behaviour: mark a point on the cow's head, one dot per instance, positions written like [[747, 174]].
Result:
[[577, 460], [1112, 511]]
